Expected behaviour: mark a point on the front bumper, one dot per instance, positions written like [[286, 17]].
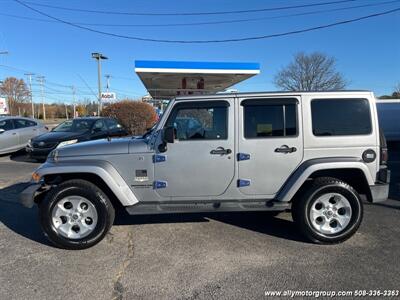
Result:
[[38, 153], [27, 197]]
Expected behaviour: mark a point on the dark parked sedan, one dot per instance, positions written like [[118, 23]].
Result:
[[74, 131]]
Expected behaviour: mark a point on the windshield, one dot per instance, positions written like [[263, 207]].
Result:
[[74, 126], [161, 115], [148, 132]]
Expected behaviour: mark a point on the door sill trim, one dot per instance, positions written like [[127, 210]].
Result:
[[169, 207]]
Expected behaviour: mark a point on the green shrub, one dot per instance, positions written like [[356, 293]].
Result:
[[135, 116]]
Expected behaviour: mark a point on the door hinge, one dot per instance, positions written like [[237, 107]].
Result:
[[243, 182], [243, 156], [160, 184], [159, 158]]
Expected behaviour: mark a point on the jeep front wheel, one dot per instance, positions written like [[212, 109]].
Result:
[[76, 214], [329, 212]]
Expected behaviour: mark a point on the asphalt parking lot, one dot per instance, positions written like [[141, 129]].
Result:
[[217, 256]]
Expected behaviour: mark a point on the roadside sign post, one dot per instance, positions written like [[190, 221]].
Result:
[[4, 107], [108, 97]]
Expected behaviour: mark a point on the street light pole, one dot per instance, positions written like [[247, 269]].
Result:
[[99, 57], [30, 92]]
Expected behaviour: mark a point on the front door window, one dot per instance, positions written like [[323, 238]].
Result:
[[194, 165]]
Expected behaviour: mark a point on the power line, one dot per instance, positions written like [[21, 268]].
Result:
[[47, 82], [126, 92], [87, 85], [77, 88], [15, 69], [54, 91], [212, 41], [210, 22], [107, 12]]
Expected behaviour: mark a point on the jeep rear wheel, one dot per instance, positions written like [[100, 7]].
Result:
[[329, 212], [76, 214]]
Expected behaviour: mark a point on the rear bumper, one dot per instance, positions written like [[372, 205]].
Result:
[[27, 197], [380, 190]]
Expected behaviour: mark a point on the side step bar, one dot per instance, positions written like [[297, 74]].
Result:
[[144, 208]]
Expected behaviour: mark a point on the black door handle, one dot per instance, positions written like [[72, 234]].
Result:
[[285, 149], [221, 151]]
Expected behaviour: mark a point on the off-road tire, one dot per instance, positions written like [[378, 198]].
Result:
[[86, 189], [323, 185]]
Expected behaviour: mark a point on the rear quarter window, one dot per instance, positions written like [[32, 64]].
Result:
[[339, 117], [32, 123]]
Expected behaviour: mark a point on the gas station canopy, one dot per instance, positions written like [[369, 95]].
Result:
[[168, 79]]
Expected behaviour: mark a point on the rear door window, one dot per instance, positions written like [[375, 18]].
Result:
[[99, 126], [113, 124], [338, 117], [268, 118], [21, 123]]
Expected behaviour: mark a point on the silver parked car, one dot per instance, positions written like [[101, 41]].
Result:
[[15, 132], [313, 153]]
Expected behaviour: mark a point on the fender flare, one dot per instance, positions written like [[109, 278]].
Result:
[[304, 171], [103, 169]]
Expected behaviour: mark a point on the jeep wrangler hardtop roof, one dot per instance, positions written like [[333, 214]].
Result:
[[272, 93]]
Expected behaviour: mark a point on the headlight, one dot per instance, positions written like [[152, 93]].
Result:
[[30, 143], [35, 177], [65, 143], [53, 156]]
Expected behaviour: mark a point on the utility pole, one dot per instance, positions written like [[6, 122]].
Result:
[[66, 111], [108, 82], [41, 80], [30, 92], [3, 53], [99, 57], [73, 102]]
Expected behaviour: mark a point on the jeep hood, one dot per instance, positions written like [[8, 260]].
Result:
[[54, 136], [104, 147]]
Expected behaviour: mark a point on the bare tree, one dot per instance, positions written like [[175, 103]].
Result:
[[16, 92], [397, 90], [313, 72]]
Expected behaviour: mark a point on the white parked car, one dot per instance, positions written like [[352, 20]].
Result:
[[15, 132]]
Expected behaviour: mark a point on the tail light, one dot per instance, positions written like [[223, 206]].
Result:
[[384, 155], [384, 150]]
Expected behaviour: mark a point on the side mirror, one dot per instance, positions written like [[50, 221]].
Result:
[[169, 135], [2, 130], [96, 130]]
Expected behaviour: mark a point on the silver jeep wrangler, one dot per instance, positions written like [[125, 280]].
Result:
[[313, 153]]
